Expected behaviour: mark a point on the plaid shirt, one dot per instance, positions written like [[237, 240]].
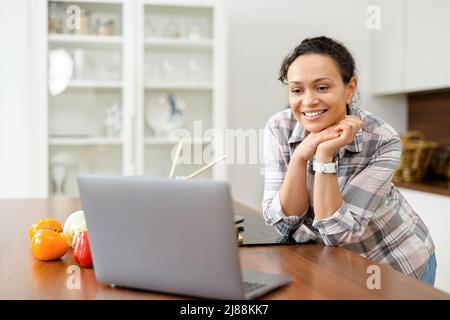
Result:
[[374, 220]]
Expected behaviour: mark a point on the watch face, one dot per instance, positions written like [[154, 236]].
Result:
[[325, 167]]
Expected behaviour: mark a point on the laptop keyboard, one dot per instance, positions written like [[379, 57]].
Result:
[[252, 286]]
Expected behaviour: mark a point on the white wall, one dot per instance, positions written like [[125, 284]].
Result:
[[260, 34], [18, 145]]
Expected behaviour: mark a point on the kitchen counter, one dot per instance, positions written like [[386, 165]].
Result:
[[436, 187], [319, 272]]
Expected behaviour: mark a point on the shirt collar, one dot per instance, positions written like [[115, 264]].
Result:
[[298, 134]]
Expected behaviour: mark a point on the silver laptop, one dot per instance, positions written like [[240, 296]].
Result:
[[169, 236]]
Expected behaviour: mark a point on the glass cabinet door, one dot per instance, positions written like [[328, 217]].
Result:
[[178, 44], [85, 92]]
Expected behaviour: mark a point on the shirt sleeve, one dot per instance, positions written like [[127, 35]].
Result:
[[362, 196], [276, 159]]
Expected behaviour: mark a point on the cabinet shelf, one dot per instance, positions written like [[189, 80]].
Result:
[[178, 86], [170, 141], [88, 40], [90, 1], [161, 43], [74, 141], [95, 84]]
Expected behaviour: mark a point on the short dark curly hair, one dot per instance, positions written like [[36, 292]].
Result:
[[321, 45]]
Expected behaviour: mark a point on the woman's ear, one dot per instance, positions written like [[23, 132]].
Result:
[[350, 90]]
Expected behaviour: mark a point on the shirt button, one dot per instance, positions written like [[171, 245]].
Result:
[[356, 228]]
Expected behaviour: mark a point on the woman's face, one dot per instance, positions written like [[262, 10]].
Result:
[[317, 93]]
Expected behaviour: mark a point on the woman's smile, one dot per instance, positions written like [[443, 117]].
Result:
[[314, 115]]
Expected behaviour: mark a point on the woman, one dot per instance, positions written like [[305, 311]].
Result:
[[329, 166]]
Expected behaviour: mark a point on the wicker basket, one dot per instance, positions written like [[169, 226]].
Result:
[[416, 157]]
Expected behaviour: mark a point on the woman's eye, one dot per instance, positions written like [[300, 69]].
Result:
[[296, 90], [322, 88]]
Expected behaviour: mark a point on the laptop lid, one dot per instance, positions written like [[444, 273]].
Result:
[[163, 235]]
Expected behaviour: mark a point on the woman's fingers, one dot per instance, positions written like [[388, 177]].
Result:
[[326, 135], [332, 135], [342, 127], [339, 134], [353, 120], [347, 133], [345, 129], [353, 124]]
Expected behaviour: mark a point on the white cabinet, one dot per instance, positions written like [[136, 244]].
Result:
[[177, 44], [88, 100], [427, 47], [120, 79], [411, 50], [387, 48], [435, 212]]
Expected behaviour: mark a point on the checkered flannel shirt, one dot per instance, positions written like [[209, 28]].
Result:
[[375, 220]]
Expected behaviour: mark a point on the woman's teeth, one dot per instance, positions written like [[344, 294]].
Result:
[[314, 115]]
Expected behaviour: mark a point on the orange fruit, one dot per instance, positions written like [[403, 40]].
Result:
[[47, 223], [49, 245]]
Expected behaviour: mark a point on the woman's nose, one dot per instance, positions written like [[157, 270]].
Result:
[[309, 98]]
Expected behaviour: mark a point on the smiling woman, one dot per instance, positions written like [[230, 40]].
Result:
[[329, 166]]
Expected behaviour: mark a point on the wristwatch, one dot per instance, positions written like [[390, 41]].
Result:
[[330, 167]]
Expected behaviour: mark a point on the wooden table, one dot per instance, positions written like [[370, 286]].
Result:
[[319, 272]]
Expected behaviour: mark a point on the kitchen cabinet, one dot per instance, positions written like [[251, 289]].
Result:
[[177, 45], [117, 84], [387, 48], [434, 210], [89, 103], [427, 28], [411, 50]]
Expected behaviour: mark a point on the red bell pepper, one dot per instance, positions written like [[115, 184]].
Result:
[[82, 251]]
